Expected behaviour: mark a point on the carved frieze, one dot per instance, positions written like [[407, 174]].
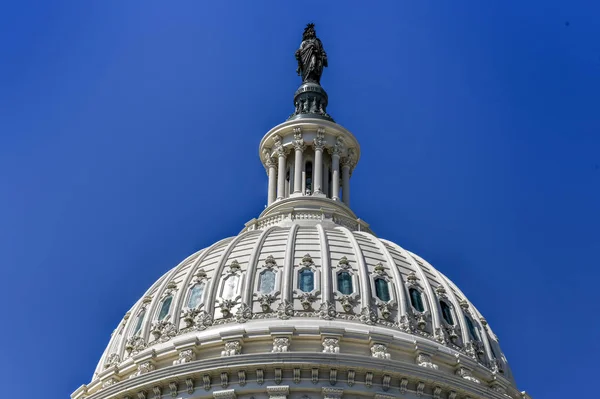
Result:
[[466, 374], [380, 351], [331, 345], [143, 368], [332, 393], [232, 348], [281, 344], [163, 330], [327, 311], [135, 344], [243, 314], [185, 356], [285, 310], [113, 360], [424, 360]]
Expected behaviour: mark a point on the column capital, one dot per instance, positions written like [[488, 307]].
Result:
[[298, 142], [279, 148], [271, 162], [350, 159], [319, 141], [337, 149]]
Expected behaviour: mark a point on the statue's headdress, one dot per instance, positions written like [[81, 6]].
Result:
[[309, 31]]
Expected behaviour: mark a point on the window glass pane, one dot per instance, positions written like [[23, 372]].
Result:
[[164, 309], [345, 283], [266, 284], [446, 313], [230, 287], [309, 173], [306, 281], [195, 295], [492, 348], [382, 290], [138, 325], [416, 300], [472, 330]]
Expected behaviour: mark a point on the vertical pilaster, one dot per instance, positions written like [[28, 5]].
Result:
[[319, 144], [299, 147]]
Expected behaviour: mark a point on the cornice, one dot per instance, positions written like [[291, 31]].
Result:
[[270, 362]]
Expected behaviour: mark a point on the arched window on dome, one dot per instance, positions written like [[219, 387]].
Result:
[[447, 313], [266, 281], [306, 280], [230, 287], [473, 332], [382, 290], [416, 299], [165, 307], [344, 283], [309, 175], [138, 323], [195, 295]]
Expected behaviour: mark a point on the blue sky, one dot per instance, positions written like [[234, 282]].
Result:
[[129, 134]]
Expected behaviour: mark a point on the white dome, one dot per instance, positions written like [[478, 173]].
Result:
[[305, 302], [252, 312]]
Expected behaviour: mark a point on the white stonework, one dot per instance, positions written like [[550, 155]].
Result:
[[306, 302]]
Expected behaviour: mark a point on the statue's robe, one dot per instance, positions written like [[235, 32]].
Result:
[[312, 59]]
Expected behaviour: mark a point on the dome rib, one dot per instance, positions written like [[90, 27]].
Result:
[[136, 311], [326, 270], [460, 315], [248, 289], [288, 264], [188, 277], [218, 272], [485, 331], [156, 300], [366, 297], [435, 317], [400, 288]]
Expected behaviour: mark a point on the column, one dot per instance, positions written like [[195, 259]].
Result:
[[335, 176], [299, 147], [272, 180], [281, 154], [347, 164], [326, 180], [281, 175], [335, 168], [346, 183], [319, 143]]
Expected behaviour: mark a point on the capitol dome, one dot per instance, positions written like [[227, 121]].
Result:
[[306, 302]]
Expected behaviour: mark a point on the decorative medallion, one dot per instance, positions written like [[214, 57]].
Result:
[[327, 311], [243, 314]]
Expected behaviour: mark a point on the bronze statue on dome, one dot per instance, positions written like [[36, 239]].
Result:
[[311, 56]]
